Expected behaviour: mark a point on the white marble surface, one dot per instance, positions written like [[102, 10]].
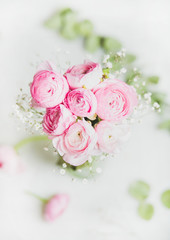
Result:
[[101, 209]]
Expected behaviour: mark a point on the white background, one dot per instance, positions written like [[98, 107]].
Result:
[[101, 209]]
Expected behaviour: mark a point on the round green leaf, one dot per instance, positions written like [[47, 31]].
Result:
[[166, 198], [54, 22], [68, 31], [84, 28], [130, 58], [153, 80], [145, 211], [92, 43], [111, 45], [68, 16], [139, 190], [165, 125]]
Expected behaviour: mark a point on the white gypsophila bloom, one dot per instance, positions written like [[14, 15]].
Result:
[[108, 65], [156, 105], [106, 58], [123, 70], [31, 117]]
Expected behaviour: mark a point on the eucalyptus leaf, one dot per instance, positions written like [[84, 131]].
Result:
[[92, 43], [54, 22], [84, 28], [68, 31], [139, 190], [145, 210], [165, 198], [158, 97], [153, 80], [130, 58], [111, 45], [165, 125], [68, 16]]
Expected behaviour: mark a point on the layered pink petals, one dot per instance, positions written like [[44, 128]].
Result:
[[57, 120], [48, 88], [77, 143], [115, 100], [82, 102], [56, 206], [111, 136], [86, 75]]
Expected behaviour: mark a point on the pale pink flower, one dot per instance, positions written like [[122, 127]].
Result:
[[56, 206], [111, 136], [48, 88], [115, 100], [82, 102], [9, 160], [77, 143], [85, 75], [57, 120]]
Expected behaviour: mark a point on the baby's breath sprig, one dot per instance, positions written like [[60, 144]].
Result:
[[31, 117]]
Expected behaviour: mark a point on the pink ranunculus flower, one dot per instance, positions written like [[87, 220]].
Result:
[[77, 143], [56, 206], [111, 136], [82, 102], [115, 100], [9, 160], [57, 120], [85, 75], [48, 88]]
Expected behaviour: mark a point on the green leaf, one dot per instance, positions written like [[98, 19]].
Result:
[[68, 17], [111, 45], [166, 198], [92, 43], [139, 190], [54, 22], [130, 58], [153, 80], [165, 125], [146, 211], [116, 66], [84, 28], [68, 31], [158, 97], [65, 11]]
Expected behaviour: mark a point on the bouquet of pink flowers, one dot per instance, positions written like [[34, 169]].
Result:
[[86, 110]]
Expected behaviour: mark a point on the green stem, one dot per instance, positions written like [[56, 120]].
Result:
[[29, 140], [43, 200]]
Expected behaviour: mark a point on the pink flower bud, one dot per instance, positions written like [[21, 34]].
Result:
[[56, 206], [9, 160]]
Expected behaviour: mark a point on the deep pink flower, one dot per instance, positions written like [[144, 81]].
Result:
[[57, 120], [82, 102]]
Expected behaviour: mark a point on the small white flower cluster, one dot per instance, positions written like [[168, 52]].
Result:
[[118, 58], [148, 99], [29, 116]]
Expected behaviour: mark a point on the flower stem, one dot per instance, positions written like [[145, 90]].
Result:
[[29, 140], [43, 200]]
